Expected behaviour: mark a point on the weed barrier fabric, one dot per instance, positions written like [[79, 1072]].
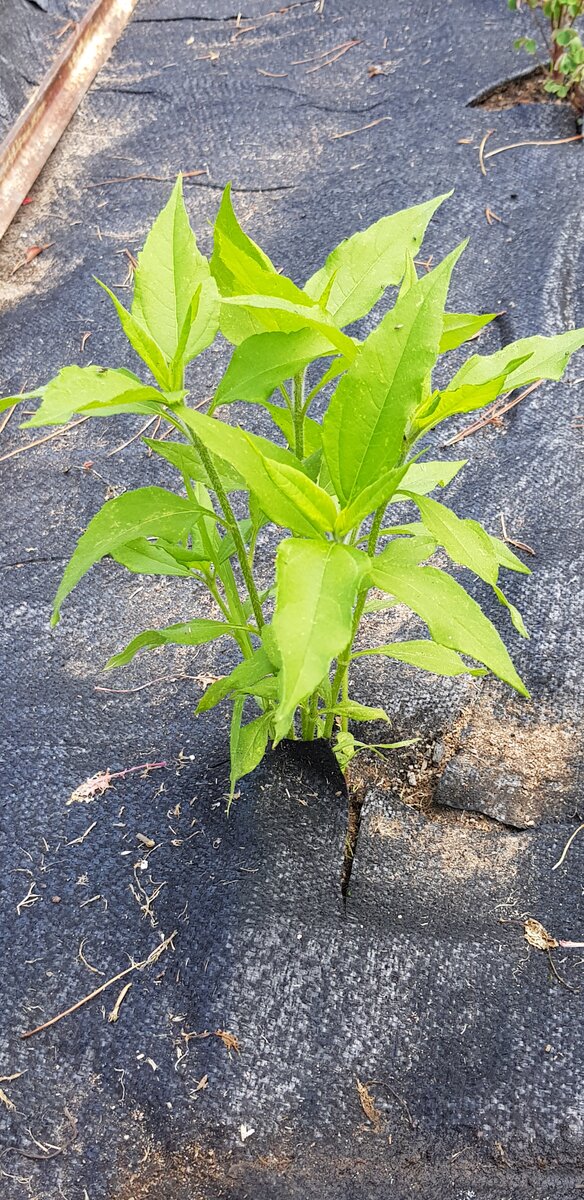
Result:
[[468, 1042]]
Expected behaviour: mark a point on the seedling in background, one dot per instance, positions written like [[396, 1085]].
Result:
[[555, 21], [326, 482]]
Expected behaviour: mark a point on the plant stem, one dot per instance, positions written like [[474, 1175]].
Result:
[[299, 415]]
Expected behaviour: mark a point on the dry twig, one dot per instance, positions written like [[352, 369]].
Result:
[[349, 132], [134, 966], [47, 438], [494, 416]]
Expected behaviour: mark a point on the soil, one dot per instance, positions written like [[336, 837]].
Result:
[[526, 88]]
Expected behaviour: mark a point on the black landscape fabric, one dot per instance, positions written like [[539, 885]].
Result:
[[410, 1043]]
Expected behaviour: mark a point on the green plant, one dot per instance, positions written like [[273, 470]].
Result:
[[565, 69], [325, 482]]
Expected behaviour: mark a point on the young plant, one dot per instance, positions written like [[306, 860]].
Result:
[[327, 483], [565, 70]]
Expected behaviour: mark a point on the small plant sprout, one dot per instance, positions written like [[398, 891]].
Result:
[[555, 20], [349, 420]]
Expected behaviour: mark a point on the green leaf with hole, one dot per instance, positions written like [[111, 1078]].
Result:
[[364, 265]]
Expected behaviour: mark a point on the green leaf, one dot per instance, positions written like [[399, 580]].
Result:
[[229, 237], [284, 492], [243, 678], [544, 358], [369, 500], [146, 512], [358, 712], [462, 327], [423, 477], [516, 618], [98, 391], [155, 558], [451, 401], [281, 314], [187, 461], [264, 361], [139, 338], [187, 633], [464, 540], [404, 552], [316, 587], [385, 385], [282, 417], [454, 619], [429, 656], [170, 270], [370, 261], [506, 557], [248, 744]]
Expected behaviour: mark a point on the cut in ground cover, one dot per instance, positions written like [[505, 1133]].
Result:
[[327, 483]]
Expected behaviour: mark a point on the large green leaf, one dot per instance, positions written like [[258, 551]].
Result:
[[142, 341], [543, 358], [364, 265], [187, 633], [462, 327], [316, 588], [99, 391], [385, 385], [146, 512], [405, 552], [170, 270], [425, 654], [243, 678], [261, 363], [284, 492], [454, 619]]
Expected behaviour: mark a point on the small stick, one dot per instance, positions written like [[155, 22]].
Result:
[[576, 137], [329, 61], [46, 438], [113, 1016], [567, 847], [117, 449], [348, 132], [493, 416], [6, 418], [141, 966], [513, 541], [299, 62], [482, 151], [141, 686]]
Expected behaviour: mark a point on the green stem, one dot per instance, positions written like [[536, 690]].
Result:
[[299, 415]]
